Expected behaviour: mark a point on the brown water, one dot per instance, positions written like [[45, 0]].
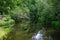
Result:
[[56, 35], [17, 34]]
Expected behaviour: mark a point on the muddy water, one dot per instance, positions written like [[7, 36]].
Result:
[[56, 35], [17, 34]]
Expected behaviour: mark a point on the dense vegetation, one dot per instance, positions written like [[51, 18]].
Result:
[[35, 13]]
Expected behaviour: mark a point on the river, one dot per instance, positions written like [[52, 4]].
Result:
[[42, 34]]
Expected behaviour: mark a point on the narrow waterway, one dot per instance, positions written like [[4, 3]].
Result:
[[42, 34], [18, 34]]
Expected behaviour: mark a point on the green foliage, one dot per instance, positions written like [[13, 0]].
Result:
[[16, 17], [7, 23], [19, 13], [4, 32], [56, 24], [43, 11], [7, 17], [40, 11]]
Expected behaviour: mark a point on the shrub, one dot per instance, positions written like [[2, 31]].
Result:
[[7, 23], [16, 17], [56, 24]]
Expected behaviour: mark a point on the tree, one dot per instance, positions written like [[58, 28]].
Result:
[[7, 5]]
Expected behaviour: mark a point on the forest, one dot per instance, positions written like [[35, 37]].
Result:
[[22, 19]]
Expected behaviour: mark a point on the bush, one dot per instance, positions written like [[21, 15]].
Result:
[[56, 24], [10, 22], [8, 17], [16, 17], [2, 23], [6, 23]]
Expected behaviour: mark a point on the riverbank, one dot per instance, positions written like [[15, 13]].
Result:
[[4, 32]]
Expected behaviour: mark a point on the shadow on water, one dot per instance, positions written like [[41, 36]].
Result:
[[56, 35]]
